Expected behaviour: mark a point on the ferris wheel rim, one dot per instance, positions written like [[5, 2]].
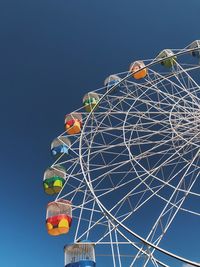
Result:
[[101, 206]]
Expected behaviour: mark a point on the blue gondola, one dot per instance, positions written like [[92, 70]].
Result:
[[80, 255], [111, 80], [60, 146]]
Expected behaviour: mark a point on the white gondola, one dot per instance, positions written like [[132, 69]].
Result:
[[168, 57], [194, 45]]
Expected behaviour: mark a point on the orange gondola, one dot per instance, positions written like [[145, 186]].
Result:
[[135, 67], [73, 123], [59, 217]]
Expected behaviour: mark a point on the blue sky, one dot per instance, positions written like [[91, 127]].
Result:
[[51, 54]]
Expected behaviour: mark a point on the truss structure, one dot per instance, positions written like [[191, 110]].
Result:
[[133, 171]]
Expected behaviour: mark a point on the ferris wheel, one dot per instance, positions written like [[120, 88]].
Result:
[[126, 174]]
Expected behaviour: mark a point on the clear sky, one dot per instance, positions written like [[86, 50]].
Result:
[[51, 53]]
